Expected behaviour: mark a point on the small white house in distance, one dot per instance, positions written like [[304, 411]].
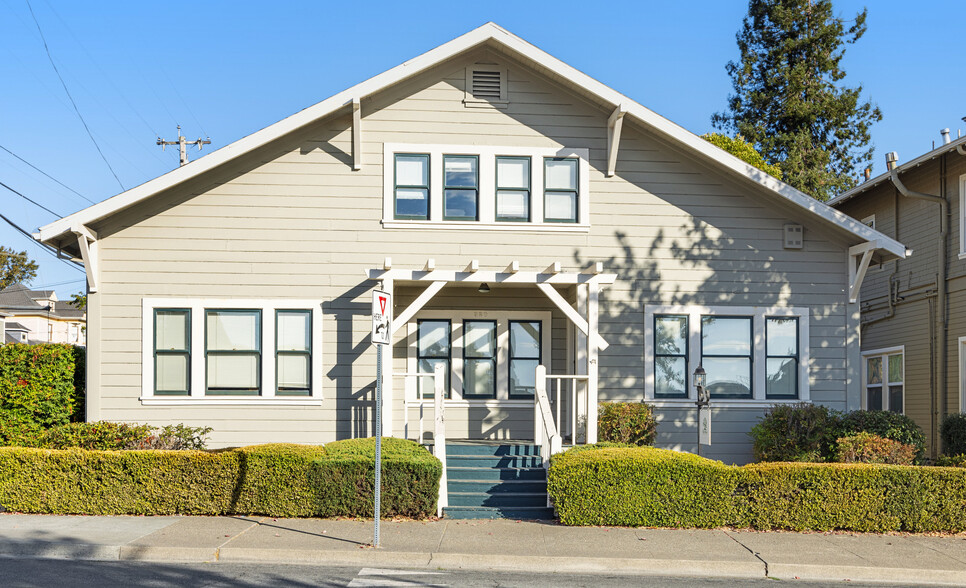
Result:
[[37, 316], [521, 214]]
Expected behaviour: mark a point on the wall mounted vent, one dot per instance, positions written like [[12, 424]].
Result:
[[486, 85], [794, 236]]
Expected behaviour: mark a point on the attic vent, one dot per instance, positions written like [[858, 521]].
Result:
[[486, 85], [794, 236]]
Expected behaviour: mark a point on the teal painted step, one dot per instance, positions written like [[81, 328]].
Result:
[[482, 512], [495, 474], [493, 461], [491, 448], [497, 500], [499, 486]]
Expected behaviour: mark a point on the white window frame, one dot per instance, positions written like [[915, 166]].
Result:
[[884, 353], [758, 314], [456, 318], [487, 187], [197, 396], [962, 374], [962, 216]]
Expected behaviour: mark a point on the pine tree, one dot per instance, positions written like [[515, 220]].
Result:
[[789, 102], [15, 267]]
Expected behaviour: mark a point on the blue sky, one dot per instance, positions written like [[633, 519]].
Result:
[[227, 69]]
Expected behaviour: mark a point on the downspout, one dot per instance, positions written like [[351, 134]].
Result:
[[940, 287]]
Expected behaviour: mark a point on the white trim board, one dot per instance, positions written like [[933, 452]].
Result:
[[489, 33], [197, 351]]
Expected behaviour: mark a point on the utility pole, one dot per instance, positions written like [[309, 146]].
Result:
[[183, 144]]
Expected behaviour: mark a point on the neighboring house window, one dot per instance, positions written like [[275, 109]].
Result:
[[525, 356], [74, 332], [671, 356], [560, 190], [479, 359], [460, 187], [486, 187], [513, 189], [293, 352], [434, 346], [231, 351], [411, 192], [884, 379], [172, 351], [748, 353]]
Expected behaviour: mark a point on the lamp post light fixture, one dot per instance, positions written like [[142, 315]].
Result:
[[702, 403]]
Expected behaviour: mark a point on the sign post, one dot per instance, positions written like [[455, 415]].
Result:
[[381, 334]]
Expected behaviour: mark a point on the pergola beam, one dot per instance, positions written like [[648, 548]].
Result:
[[417, 305], [574, 316], [501, 277]]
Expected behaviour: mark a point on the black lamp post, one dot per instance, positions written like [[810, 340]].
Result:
[[703, 397]]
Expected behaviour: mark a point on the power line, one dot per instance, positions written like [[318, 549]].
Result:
[[34, 202], [26, 234], [46, 174], [71, 98]]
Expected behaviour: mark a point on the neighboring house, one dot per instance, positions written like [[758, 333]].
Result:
[[532, 216], [914, 309], [38, 316]]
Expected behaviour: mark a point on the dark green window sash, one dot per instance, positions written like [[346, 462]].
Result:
[[397, 187], [513, 357], [279, 391], [796, 356], [750, 356], [491, 358], [186, 352], [658, 355], [475, 188], [448, 357], [256, 353], [499, 188], [576, 192]]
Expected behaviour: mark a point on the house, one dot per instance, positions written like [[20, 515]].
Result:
[[914, 309], [521, 214], [37, 316]]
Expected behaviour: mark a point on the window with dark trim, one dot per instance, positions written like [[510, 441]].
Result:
[[884, 382], [513, 189], [293, 352], [726, 355], [411, 192], [781, 358], [461, 187], [172, 351], [233, 352], [671, 356], [433, 345], [479, 359], [560, 187], [524, 356]]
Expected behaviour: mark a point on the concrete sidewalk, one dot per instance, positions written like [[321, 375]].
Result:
[[486, 545]]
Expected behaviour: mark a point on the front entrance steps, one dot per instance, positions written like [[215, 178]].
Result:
[[495, 480]]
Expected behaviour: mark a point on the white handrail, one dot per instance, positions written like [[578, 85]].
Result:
[[573, 402], [439, 425], [545, 431]]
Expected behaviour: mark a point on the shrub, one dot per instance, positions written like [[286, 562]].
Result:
[[627, 422], [952, 461], [272, 480], [653, 487], [792, 432], [174, 437], [869, 448], [36, 387], [103, 435], [883, 423], [953, 434]]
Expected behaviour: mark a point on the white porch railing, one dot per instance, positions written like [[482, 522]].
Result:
[[439, 422], [546, 434]]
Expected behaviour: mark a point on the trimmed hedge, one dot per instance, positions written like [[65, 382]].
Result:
[[627, 422], [37, 388], [274, 480], [660, 488], [869, 448]]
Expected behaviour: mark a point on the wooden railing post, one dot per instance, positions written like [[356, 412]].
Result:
[[439, 432]]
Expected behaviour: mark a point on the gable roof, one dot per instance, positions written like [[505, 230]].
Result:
[[957, 145], [488, 34]]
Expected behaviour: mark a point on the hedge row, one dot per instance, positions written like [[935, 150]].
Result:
[[650, 487], [274, 480]]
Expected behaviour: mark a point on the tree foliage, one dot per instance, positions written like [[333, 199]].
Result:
[[744, 151], [789, 100], [15, 266], [79, 301]]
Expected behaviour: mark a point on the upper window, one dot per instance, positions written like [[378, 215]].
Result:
[[560, 190], [461, 194], [747, 353], [234, 351], [884, 379], [508, 188], [411, 192]]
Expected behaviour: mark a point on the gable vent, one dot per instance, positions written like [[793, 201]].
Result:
[[487, 84]]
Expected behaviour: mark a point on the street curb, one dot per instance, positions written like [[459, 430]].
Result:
[[912, 576], [162, 553]]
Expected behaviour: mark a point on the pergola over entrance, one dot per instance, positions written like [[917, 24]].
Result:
[[589, 282]]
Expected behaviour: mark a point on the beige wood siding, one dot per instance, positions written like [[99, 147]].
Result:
[[293, 221]]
